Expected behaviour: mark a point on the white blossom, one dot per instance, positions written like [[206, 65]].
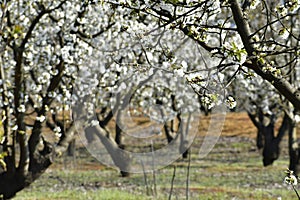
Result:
[[270, 69], [231, 102], [94, 122], [44, 78], [179, 72], [21, 108], [41, 118], [297, 118], [254, 4], [57, 132], [14, 128], [57, 129], [290, 178]]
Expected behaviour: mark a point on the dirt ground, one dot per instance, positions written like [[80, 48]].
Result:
[[232, 170]]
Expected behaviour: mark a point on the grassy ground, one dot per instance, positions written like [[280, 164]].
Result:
[[233, 170]]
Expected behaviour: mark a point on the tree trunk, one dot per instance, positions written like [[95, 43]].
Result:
[[168, 131], [271, 147], [259, 136], [119, 157], [119, 138], [293, 147], [184, 131], [266, 138], [72, 148], [11, 183], [41, 157]]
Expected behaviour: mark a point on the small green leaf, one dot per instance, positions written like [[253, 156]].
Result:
[[3, 164], [261, 60], [214, 97], [1, 132], [282, 31]]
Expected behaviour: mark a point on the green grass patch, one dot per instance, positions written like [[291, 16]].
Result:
[[107, 194], [230, 171]]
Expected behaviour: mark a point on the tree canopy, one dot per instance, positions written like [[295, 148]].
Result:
[[56, 52]]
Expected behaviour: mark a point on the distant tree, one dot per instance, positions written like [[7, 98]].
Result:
[[135, 90], [265, 108], [245, 41]]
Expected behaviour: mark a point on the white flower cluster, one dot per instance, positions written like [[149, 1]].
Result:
[[41, 118], [44, 78], [195, 78], [289, 7], [273, 70], [21, 108], [254, 4], [57, 132], [230, 102], [297, 118], [290, 178], [209, 100]]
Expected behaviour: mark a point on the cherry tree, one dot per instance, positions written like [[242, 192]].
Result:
[[266, 44], [267, 105], [42, 45], [46, 45], [144, 80]]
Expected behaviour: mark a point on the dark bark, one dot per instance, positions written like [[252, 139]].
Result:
[[271, 147], [184, 131], [266, 138], [119, 136], [41, 157], [293, 147], [119, 141], [72, 148], [259, 135], [11, 183], [168, 131], [186, 152]]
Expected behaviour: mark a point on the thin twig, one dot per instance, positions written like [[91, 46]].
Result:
[[188, 177], [153, 170], [296, 191], [145, 178], [172, 182]]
